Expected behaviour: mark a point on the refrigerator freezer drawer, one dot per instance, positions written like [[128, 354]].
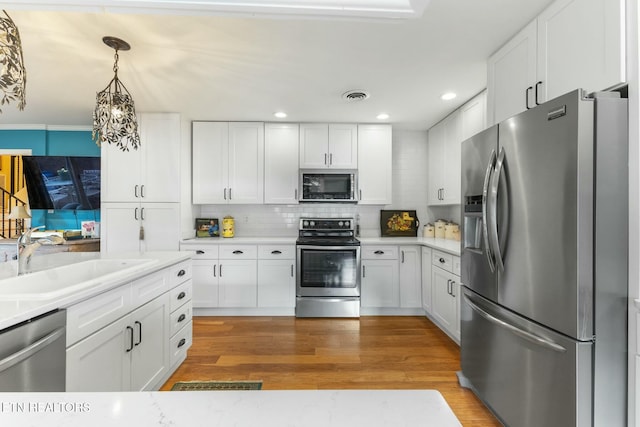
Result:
[[528, 375]]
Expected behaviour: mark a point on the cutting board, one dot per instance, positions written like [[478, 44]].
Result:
[[398, 223]]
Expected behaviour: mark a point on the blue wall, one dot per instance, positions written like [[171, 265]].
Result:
[[54, 143]]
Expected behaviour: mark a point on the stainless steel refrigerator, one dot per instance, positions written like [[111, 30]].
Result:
[[544, 264]]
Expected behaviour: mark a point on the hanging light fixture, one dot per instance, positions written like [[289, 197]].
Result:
[[114, 119], [13, 76]]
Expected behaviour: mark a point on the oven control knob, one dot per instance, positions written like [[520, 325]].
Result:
[[347, 224], [305, 223], [340, 223], [312, 223]]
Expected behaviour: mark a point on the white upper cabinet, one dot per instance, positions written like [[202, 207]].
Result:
[[328, 146], [473, 116], [228, 162], [281, 141], [444, 161], [374, 165], [572, 44], [150, 173]]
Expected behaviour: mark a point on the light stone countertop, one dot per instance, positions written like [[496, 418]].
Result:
[[13, 312], [449, 246], [264, 408]]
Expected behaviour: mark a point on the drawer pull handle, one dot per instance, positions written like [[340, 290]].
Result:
[[182, 342], [441, 260], [238, 252], [181, 295], [200, 252], [182, 317], [276, 252], [379, 252], [181, 273]]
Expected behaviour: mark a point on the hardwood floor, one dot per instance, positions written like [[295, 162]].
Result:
[[287, 353]]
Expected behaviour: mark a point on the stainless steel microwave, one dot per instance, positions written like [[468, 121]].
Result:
[[328, 186]]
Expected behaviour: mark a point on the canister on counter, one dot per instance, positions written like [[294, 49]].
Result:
[[228, 225], [428, 230], [452, 231], [439, 228]]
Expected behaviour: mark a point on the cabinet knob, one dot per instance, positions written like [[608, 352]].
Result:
[[441, 260], [181, 295], [181, 273], [182, 342], [182, 317]]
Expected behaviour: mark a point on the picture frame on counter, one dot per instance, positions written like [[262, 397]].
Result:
[[207, 227]]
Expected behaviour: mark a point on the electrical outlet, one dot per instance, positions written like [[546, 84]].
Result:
[[246, 219]]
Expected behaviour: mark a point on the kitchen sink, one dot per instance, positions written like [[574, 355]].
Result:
[[58, 281]]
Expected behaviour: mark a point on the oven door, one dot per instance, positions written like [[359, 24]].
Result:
[[328, 271]]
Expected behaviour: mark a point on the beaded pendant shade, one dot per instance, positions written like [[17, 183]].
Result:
[[13, 76], [114, 118]]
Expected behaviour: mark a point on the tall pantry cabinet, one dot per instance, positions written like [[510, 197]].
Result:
[[140, 206]]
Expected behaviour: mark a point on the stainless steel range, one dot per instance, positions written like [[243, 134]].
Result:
[[328, 268]]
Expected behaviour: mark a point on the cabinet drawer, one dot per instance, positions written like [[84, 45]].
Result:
[[202, 251], [179, 273], [147, 288], [277, 252], [180, 343], [238, 252], [181, 294], [181, 317], [379, 252], [442, 260], [86, 317]]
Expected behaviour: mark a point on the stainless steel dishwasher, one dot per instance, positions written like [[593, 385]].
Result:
[[33, 354]]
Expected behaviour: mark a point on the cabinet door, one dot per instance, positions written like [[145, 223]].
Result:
[[426, 279], [374, 165], [380, 283], [580, 44], [120, 178], [238, 283], [511, 70], [473, 116], [160, 151], [343, 146], [205, 283], [314, 145], [276, 283], [435, 153], [444, 304], [410, 277], [281, 141], [246, 163], [161, 223], [452, 161], [210, 165], [150, 354], [101, 361], [120, 227]]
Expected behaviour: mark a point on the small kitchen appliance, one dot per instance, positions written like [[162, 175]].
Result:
[[327, 268], [328, 186]]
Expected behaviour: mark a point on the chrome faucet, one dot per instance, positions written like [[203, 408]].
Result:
[[26, 247]]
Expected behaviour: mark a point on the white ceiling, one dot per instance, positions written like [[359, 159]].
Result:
[[212, 67]]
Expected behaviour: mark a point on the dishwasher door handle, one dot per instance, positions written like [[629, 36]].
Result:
[[29, 351]]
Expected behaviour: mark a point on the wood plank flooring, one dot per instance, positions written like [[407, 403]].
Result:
[[372, 352]]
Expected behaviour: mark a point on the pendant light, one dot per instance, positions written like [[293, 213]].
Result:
[[114, 119], [13, 76]]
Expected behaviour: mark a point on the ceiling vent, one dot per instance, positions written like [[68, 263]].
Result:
[[355, 95]]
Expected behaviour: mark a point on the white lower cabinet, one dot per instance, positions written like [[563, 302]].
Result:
[[130, 354], [238, 283], [120, 340], [380, 283], [277, 276], [410, 277], [426, 279], [445, 293]]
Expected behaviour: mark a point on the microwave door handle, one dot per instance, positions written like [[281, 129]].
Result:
[[485, 213]]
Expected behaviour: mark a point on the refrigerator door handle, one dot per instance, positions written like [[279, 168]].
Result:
[[535, 339], [493, 193], [485, 194]]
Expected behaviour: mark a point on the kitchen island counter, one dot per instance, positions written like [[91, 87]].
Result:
[[301, 408]]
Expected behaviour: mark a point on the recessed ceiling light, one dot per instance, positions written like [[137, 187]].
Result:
[[280, 114], [382, 116], [448, 96]]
